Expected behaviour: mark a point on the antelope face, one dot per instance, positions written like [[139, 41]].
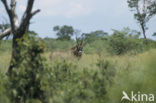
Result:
[[78, 49]]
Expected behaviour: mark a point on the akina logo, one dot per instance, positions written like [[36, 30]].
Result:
[[137, 97]]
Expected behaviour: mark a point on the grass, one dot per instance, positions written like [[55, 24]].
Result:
[[89, 60], [4, 61], [133, 72]]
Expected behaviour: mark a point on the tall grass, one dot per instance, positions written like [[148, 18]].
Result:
[[5, 45], [134, 74], [72, 80]]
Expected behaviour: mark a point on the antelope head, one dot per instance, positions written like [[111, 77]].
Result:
[[78, 49]]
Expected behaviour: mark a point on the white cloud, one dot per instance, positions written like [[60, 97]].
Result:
[[75, 8], [67, 8]]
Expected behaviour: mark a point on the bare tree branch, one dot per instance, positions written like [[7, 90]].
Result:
[[13, 5], [14, 18], [35, 12], [27, 15], [12, 14], [18, 30], [6, 6], [5, 33]]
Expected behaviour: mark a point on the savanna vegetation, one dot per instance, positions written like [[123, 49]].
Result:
[[109, 64]]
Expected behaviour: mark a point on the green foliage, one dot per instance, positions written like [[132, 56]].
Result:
[[136, 77], [53, 44], [68, 84], [93, 36], [150, 44], [98, 47], [154, 34], [95, 42], [143, 14], [5, 45], [25, 80], [106, 69], [33, 101], [124, 41], [144, 11], [93, 79], [119, 43], [3, 91], [64, 33]]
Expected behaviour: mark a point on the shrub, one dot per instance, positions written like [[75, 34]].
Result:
[[3, 91], [137, 77], [53, 44], [121, 42], [25, 80], [69, 84], [97, 47]]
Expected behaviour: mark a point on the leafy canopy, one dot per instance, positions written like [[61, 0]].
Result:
[[144, 9], [64, 32]]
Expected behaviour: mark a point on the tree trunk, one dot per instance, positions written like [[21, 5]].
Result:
[[15, 57], [144, 33], [18, 30]]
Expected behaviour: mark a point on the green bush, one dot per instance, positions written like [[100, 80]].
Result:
[[107, 70], [53, 44], [25, 79], [124, 41], [150, 44], [96, 47], [3, 90], [136, 78], [68, 84]]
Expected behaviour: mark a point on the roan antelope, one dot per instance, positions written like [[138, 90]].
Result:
[[76, 51]]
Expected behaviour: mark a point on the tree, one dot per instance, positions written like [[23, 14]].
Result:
[[18, 29], [90, 37], [64, 33], [126, 40], [2, 28], [144, 11], [154, 34]]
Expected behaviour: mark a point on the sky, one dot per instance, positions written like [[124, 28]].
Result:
[[84, 15]]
